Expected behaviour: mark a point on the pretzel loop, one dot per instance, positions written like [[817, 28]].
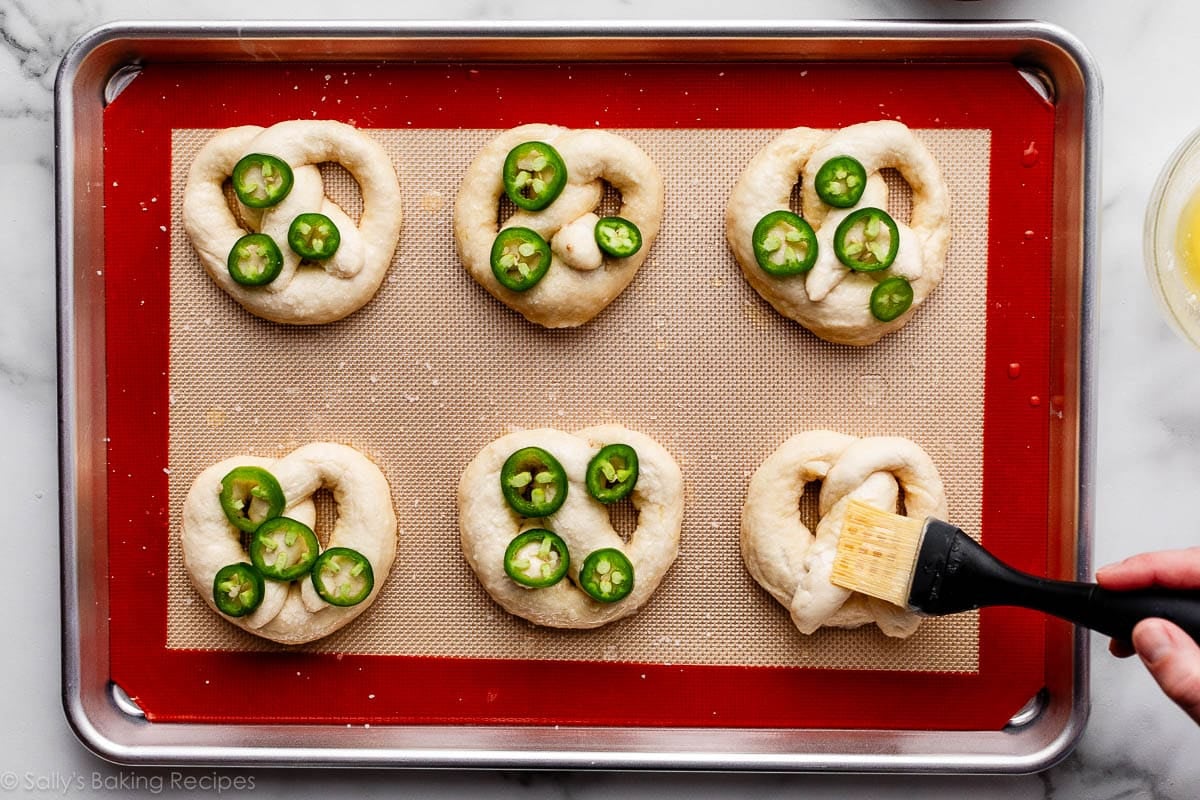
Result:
[[792, 563], [300, 295], [292, 612], [581, 280], [831, 300], [487, 524]]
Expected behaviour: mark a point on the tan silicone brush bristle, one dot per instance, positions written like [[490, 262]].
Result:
[[877, 552]]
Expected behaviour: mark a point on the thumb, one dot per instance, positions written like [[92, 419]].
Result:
[[1173, 658]]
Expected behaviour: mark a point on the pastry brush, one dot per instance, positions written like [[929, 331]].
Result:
[[932, 567]]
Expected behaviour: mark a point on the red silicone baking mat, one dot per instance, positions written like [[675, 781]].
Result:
[[190, 685]]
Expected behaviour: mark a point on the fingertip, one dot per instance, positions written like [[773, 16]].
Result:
[[1108, 572], [1153, 641], [1173, 659], [1175, 569]]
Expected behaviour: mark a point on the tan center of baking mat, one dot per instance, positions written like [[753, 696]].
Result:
[[434, 368]]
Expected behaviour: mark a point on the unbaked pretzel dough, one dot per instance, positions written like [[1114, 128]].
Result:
[[793, 564], [292, 612], [301, 295], [831, 300], [581, 280], [488, 524]]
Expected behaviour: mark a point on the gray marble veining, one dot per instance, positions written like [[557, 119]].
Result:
[[1137, 745]]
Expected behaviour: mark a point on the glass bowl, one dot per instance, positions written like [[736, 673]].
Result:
[[1175, 202]]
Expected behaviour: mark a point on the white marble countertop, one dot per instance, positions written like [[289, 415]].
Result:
[[1137, 743]]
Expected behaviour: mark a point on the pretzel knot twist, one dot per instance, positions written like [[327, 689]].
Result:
[[488, 524], [293, 612], [830, 299], [784, 556], [581, 280], [302, 293]]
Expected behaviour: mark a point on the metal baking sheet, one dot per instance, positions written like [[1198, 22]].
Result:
[[111, 724]]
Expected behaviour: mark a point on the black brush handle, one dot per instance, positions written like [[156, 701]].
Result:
[[954, 573]]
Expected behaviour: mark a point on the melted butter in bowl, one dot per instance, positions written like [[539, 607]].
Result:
[[1172, 240], [1187, 243]]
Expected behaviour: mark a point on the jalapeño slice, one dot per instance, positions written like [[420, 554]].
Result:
[[606, 575], [255, 260], [238, 589], [261, 180], [520, 258], [618, 237], [840, 181], [534, 175], [891, 298], [250, 496], [867, 240], [612, 473], [284, 549], [537, 558], [533, 482], [342, 577], [314, 236], [784, 244]]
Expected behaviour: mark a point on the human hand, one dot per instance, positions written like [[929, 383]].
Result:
[[1171, 656]]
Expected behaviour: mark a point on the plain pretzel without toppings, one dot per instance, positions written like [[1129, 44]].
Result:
[[790, 562], [554, 260], [843, 268], [303, 261], [285, 587], [536, 530]]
